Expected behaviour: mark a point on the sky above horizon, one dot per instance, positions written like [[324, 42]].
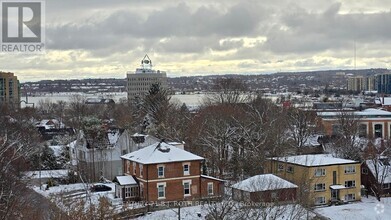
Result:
[[100, 38]]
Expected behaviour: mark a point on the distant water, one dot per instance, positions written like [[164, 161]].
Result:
[[189, 100]]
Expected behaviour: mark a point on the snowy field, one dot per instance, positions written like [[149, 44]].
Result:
[[368, 208]]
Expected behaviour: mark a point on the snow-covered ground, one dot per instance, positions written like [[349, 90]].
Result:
[[283, 212], [368, 208], [188, 213], [72, 193]]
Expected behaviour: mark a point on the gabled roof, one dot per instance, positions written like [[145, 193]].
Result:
[[314, 160], [263, 183], [160, 153], [383, 169]]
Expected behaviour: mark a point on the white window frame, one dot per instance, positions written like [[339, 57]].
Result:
[[186, 173], [134, 168], [322, 200], [141, 169], [353, 183], [350, 197], [164, 190], [158, 172], [321, 188], [367, 130], [141, 190], [387, 186], [185, 182], [210, 188], [373, 128], [287, 169], [322, 172], [350, 169]]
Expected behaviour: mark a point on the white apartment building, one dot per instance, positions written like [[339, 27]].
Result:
[[139, 82]]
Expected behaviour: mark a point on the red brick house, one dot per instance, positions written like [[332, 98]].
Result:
[[264, 188], [380, 168], [164, 172]]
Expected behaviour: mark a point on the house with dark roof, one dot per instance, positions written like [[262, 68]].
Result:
[[164, 172]]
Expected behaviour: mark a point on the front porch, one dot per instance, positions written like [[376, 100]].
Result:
[[126, 188]]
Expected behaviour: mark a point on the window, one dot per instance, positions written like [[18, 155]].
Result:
[[320, 187], [134, 168], [141, 169], [320, 200], [350, 197], [130, 192], [186, 188], [362, 130], [386, 186], [336, 129], [210, 188], [320, 172], [378, 131], [141, 189], [186, 169], [364, 171], [280, 167], [161, 190], [289, 169], [160, 171], [350, 169], [350, 183], [273, 195]]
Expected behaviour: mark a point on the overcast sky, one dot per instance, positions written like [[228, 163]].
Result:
[[101, 38]]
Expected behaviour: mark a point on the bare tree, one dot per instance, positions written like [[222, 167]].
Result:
[[227, 91], [301, 125]]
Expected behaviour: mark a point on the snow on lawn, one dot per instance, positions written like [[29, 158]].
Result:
[[68, 194], [188, 213], [232, 211], [368, 208]]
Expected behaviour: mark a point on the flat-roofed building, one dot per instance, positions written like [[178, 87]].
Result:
[[139, 82], [372, 123], [9, 90]]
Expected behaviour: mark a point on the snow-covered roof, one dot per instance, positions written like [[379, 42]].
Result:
[[366, 112], [312, 141], [387, 101], [263, 183], [113, 137], [337, 187], [314, 160], [383, 170], [160, 153], [126, 180], [212, 178]]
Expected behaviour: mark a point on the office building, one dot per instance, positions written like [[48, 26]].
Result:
[[139, 82], [383, 83], [9, 90]]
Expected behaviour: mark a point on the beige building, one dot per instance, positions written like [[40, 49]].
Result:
[[9, 90], [139, 82], [361, 83], [322, 178]]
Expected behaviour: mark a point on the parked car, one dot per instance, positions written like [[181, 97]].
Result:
[[100, 188]]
